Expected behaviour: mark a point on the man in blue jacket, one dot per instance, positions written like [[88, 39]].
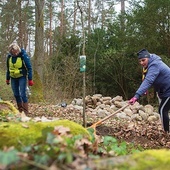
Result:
[[19, 70], [156, 74]]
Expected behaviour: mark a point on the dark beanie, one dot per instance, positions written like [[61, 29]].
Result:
[[143, 54]]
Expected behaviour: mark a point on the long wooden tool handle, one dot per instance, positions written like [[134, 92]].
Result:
[[107, 117], [117, 111]]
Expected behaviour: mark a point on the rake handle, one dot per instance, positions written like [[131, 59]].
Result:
[[107, 117]]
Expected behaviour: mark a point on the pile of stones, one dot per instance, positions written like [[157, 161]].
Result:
[[100, 106]]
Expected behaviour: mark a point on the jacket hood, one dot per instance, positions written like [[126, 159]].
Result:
[[154, 58]]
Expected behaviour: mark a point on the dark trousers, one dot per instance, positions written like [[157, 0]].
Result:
[[164, 108]]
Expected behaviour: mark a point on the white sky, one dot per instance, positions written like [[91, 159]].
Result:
[[118, 6]]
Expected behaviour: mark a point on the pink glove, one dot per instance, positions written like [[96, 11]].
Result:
[[30, 83], [132, 100]]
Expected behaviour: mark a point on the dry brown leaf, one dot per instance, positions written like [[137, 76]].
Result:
[[61, 130]]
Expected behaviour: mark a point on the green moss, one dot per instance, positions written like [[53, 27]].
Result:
[[6, 90], [36, 90], [6, 108], [148, 160], [17, 134]]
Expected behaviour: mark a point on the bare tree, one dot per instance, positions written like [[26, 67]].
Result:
[[75, 15], [62, 19], [89, 18], [50, 27], [122, 6], [39, 38], [122, 12], [23, 29]]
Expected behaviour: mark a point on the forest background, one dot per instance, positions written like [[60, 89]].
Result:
[[56, 33]]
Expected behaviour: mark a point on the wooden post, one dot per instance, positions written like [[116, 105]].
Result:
[[84, 104], [83, 64], [83, 70]]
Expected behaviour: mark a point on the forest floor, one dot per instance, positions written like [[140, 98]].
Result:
[[145, 134], [142, 134]]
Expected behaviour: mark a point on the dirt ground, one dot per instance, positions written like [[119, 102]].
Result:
[[146, 134], [148, 137]]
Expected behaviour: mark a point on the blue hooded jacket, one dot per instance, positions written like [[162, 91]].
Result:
[[158, 76]]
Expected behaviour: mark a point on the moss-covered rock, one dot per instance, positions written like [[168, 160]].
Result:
[[17, 134], [149, 159], [6, 108], [145, 160]]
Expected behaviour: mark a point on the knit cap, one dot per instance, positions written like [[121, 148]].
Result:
[[143, 54]]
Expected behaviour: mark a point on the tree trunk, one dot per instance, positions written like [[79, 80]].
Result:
[[62, 25], [38, 59], [39, 39]]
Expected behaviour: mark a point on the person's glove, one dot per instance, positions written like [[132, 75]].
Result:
[[30, 83], [132, 100], [7, 82]]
